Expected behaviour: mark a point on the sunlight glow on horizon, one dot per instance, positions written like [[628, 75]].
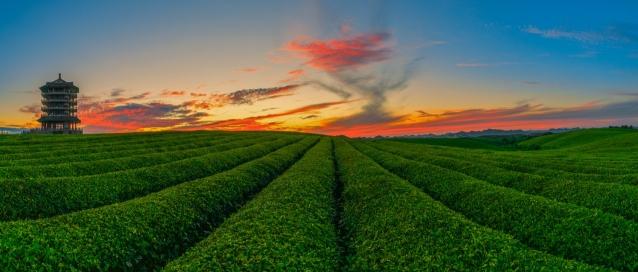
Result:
[[358, 71]]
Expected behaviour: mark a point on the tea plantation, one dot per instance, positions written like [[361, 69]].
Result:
[[269, 201]]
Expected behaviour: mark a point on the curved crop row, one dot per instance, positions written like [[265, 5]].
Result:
[[124, 150], [520, 164], [21, 199], [36, 139], [578, 160], [71, 149], [609, 197], [551, 160], [96, 167], [140, 234], [287, 226], [393, 226], [562, 229], [45, 142]]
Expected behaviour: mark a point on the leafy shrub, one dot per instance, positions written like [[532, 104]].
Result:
[[287, 226], [561, 229], [143, 233], [393, 226], [20, 199]]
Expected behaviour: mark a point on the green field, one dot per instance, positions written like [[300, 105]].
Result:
[[268, 201]]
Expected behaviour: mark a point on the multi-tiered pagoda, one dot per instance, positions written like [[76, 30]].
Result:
[[59, 108]]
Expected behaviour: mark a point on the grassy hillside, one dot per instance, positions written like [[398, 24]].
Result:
[[484, 142], [266, 201], [578, 138]]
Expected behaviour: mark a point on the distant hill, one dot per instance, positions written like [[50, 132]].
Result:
[[491, 132]]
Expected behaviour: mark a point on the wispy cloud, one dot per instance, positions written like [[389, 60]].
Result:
[[615, 33], [312, 116], [261, 122], [293, 75], [432, 43], [117, 92], [553, 33], [249, 96], [167, 92], [585, 55], [249, 69], [484, 64]]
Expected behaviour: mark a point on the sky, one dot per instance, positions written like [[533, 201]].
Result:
[[355, 68]]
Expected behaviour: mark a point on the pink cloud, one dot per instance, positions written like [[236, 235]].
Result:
[[347, 52]]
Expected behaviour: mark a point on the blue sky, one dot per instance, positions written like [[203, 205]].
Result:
[[486, 55]]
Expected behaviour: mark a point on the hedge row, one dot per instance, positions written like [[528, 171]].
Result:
[[122, 150], [393, 226], [561, 229], [521, 164], [43, 142], [100, 166], [619, 199], [549, 160], [21, 199], [140, 234], [287, 226], [71, 149]]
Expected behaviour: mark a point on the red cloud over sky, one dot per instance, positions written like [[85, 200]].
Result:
[[347, 52]]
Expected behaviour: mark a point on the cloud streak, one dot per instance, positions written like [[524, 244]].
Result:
[[261, 122], [523, 116], [615, 33]]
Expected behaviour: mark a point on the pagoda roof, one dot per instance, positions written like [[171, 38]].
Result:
[[59, 83]]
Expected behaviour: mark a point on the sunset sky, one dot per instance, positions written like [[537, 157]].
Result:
[[359, 68]]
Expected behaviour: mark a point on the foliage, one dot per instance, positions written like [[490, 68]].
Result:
[[562, 229], [142, 233], [20, 199], [288, 226]]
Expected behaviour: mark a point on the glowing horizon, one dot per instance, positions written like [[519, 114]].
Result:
[[362, 68]]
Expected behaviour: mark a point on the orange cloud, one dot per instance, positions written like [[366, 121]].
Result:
[[255, 122], [293, 75], [249, 69], [173, 93]]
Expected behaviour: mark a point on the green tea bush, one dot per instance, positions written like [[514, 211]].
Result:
[[109, 164], [24, 199], [287, 226], [123, 150], [143, 233], [393, 226], [619, 199], [561, 229]]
